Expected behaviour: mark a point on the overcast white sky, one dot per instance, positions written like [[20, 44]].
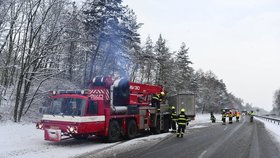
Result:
[[239, 40]]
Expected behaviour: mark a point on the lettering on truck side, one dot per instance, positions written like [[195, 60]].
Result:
[[134, 87], [96, 96]]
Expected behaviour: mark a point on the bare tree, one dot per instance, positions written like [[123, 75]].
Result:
[[40, 40]]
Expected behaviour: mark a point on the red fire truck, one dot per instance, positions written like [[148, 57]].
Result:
[[111, 109]]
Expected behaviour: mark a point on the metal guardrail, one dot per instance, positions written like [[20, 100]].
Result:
[[270, 119]]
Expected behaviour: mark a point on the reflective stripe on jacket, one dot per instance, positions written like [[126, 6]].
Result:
[[182, 119], [174, 116], [251, 113], [156, 97]]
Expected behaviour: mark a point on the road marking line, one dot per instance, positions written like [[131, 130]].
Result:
[[225, 128], [202, 154]]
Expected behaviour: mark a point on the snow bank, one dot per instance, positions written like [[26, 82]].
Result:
[[273, 129], [25, 141], [205, 118]]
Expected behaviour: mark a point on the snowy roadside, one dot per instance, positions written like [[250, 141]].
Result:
[[203, 120], [273, 129], [25, 141]]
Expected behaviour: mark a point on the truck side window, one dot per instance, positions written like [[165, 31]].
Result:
[[92, 107]]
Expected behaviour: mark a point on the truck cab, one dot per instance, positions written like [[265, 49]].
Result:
[[74, 114]]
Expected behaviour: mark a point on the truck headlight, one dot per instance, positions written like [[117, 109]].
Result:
[[71, 129], [39, 125]]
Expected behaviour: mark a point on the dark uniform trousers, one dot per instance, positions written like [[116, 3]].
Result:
[[173, 121], [224, 118], [181, 120]]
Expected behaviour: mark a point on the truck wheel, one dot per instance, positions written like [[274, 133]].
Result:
[[113, 132], [131, 129], [166, 123], [156, 130]]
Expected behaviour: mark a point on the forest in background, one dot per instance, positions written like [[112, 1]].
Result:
[[54, 44]]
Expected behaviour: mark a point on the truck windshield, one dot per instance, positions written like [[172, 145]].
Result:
[[67, 106]]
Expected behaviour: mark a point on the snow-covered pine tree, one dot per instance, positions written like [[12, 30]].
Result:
[[212, 94], [128, 48], [165, 65], [184, 71], [144, 62], [113, 33], [149, 62], [276, 102]]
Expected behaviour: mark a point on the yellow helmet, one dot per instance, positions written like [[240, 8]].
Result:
[[183, 110], [173, 107]]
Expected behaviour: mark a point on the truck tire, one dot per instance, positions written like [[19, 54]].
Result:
[[114, 132], [156, 130], [131, 129], [167, 122]]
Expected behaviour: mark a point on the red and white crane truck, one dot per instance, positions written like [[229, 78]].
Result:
[[110, 109]]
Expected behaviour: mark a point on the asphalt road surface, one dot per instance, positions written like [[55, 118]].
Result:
[[238, 140]]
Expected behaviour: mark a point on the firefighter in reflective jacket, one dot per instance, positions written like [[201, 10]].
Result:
[[155, 101], [212, 117], [251, 114], [182, 120], [173, 119], [230, 115], [237, 115], [224, 116]]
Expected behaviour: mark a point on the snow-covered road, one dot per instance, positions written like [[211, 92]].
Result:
[[237, 140], [25, 141]]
